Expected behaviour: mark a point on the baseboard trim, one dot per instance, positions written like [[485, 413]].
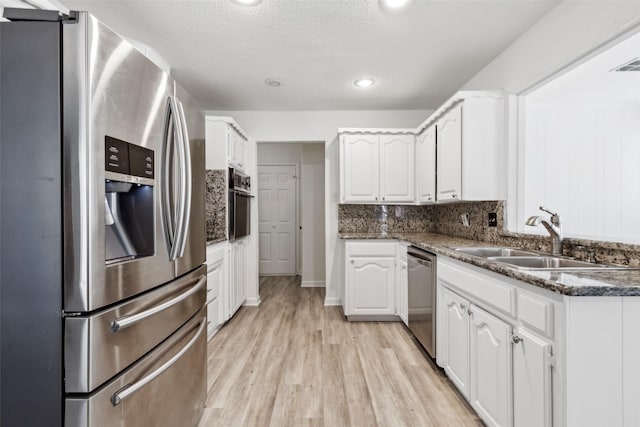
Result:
[[332, 301], [313, 284], [252, 302]]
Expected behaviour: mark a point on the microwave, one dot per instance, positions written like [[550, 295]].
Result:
[[239, 205]]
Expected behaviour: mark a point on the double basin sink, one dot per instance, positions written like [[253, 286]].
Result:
[[528, 260]]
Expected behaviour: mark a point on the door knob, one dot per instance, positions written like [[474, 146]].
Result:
[[516, 339]]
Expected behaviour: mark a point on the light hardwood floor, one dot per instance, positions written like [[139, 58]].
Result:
[[294, 362]]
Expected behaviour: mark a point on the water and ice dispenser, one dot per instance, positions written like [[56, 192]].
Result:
[[128, 201]]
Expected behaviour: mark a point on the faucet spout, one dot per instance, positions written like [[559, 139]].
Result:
[[553, 227]]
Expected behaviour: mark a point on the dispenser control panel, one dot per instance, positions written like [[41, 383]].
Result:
[[128, 159]]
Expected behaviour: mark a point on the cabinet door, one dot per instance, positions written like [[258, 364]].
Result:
[[241, 152], [449, 154], [370, 286], [215, 283], [397, 161], [241, 289], [531, 381], [426, 165], [361, 168], [230, 285], [456, 339], [490, 374], [402, 283]]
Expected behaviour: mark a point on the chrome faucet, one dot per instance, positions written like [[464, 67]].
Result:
[[555, 232]]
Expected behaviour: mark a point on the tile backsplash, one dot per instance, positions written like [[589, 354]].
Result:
[[371, 219], [216, 204], [447, 219]]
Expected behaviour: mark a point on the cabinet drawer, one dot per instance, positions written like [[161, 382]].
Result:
[[371, 248], [535, 313], [492, 291]]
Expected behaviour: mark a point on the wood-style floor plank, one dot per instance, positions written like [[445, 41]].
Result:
[[294, 362]]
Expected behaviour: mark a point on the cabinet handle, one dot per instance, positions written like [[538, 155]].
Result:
[[453, 196], [376, 198], [383, 198], [463, 306], [429, 198], [469, 312], [353, 261], [516, 339]]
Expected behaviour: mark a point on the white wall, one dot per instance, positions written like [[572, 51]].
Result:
[[300, 126], [554, 45], [313, 212], [581, 160]]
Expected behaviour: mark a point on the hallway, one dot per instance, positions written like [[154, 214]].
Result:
[[294, 362]]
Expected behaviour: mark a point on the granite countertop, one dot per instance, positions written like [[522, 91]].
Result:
[[573, 283], [214, 241]]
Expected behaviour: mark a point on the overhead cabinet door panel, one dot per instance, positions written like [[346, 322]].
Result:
[[361, 168], [397, 163], [449, 153]]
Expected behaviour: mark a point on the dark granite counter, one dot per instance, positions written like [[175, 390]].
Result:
[[214, 241], [572, 283]]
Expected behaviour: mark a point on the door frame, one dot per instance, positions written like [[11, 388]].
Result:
[[296, 206]]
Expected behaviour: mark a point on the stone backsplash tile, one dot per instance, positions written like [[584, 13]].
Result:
[[216, 204], [446, 219], [370, 218]]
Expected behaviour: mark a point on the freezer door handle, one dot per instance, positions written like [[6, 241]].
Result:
[[130, 389], [186, 180], [128, 320], [173, 143]]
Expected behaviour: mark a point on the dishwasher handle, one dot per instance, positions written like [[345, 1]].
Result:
[[425, 262], [423, 257]]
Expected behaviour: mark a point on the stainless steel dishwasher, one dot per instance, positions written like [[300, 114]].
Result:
[[422, 297]]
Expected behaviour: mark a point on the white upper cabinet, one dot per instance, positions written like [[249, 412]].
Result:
[[377, 167], [449, 154], [471, 162], [361, 168], [226, 144], [237, 149], [426, 165], [396, 171]]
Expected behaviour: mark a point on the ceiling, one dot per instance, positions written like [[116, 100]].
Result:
[[222, 52], [595, 80]]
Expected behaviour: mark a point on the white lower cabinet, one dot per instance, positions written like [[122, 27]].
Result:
[[403, 294], [505, 376], [490, 369], [531, 380], [371, 286], [370, 280], [216, 284], [454, 351], [237, 278]]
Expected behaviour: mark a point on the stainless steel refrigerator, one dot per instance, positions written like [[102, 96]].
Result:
[[102, 241]]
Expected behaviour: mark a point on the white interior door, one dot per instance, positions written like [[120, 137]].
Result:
[[277, 219]]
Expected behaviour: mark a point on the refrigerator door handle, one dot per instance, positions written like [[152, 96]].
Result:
[[186, 196], [173, 217], [130, 389], [129, 320], [182, 180]]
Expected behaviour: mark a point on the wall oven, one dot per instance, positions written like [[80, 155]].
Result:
[[239, 204]]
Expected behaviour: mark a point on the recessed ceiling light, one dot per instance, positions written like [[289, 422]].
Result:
[[395, 4], [271, 82], [364, 82], [247, 2]]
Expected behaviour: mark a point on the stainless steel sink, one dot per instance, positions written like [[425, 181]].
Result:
[[495, 252], [553, 263]]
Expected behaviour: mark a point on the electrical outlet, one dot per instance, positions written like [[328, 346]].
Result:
[[465, 219], [493, 219]]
